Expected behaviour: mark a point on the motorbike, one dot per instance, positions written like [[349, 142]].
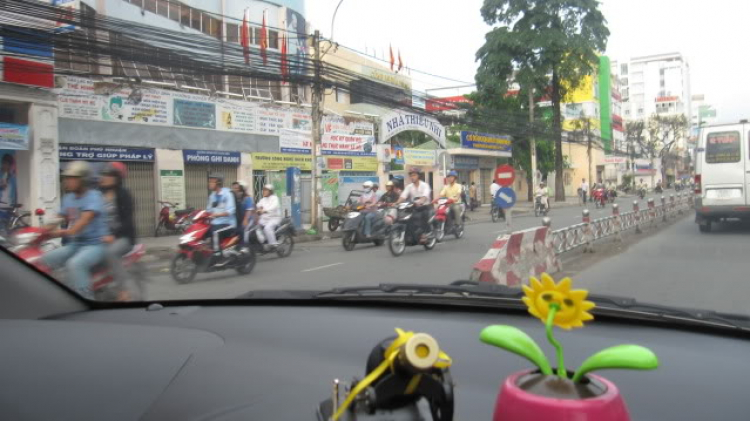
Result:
[[405, 232], [539, 208], [256, 239], [32, 242], [444, 223], [600, 197], [641, 193], [354, 229], [175, 221], [12, 218], [611, 195], [658, 189], [196, 254]]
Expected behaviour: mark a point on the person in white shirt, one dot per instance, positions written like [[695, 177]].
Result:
[[368, 201], [418, 193], [269, 210], [584, 189], [494, 187], [542, 192]]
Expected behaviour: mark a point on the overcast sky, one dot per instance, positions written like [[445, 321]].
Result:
[[443, 40]]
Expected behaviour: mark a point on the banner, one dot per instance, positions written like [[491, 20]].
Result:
[[295, 141], [236, 117], [8, 174], [280, 161], [399, 121], [338, 144], [14, 136], [105, 153], [419, 157], [352, 163], [192, 156], [615, 159], [194, 114], [398, 155], [347, 125], [329, 194], [487, 142]]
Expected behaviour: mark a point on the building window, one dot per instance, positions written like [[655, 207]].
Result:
[[256, 36], [233, 32], [162, 8], [206, 23], [150, 5], [273, 40], [174, 11], [624, 68], [195, 20], [215, 30], [138, 3], [185, 16]]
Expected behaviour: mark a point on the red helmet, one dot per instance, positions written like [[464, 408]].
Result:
[[116, 168]]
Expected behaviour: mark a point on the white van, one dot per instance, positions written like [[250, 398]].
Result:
[[722, 174]]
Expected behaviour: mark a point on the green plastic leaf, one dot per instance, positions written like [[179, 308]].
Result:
[[514, 340], [634, 357]]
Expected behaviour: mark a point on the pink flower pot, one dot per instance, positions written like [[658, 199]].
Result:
[[530, 396]]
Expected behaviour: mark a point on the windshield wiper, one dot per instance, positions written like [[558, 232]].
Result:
[[606, 304]]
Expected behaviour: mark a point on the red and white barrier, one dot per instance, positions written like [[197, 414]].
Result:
[[513, 258]]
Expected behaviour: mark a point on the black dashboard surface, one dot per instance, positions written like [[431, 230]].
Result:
[[277, 363]]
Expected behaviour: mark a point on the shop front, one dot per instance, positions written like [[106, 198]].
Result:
[[477, 158], [199, 164]]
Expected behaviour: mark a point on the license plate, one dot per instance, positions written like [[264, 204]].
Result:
[[724, 194]]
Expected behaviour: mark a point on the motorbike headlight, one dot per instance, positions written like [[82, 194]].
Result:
[[187, 238], [352, 214]]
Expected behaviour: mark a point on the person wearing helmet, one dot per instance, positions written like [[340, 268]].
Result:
[[452, 191], [542, 193], [244, 204], [390, 195], [118, 207], [83, 213], [269, 209], [368, 201], [419, 193], [222, 208]]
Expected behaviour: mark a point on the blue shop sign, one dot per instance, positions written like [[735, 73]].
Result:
[[487, 142], [465, 162], [105, 153], [192, 156]]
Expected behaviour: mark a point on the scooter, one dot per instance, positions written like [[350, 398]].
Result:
[[196, 253], [641, 193], [444, 223], [257, 241], [600, 198], [405, 232], [539, 208], [496, 212], [354, 229], [32, 242], [173, 221]]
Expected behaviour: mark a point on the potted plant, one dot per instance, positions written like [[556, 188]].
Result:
[[556, 393]]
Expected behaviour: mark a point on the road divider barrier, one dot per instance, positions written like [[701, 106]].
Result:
[[514, 257]]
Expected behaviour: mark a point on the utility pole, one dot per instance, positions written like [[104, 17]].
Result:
[[317, 99], [588, 149], [532, 141]]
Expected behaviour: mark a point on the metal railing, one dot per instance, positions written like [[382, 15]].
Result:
[[587, 232]]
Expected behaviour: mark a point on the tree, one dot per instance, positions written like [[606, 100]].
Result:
[[634, 136], [535, 42], [663, 134]]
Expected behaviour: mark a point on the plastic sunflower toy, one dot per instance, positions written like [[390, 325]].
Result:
[[543, 393]]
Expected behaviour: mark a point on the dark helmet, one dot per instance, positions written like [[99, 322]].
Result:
[[415, 170], [219, 177]]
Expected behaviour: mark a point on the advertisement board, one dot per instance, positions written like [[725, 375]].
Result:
[[487, 142], [14, 136], [419, 157], [192, 156], [105, 153], [352, 163], [280, 161]]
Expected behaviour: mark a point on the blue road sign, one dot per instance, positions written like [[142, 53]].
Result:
[[505, 198]]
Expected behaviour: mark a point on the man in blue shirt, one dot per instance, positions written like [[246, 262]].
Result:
[[83, 212], [222, 207]]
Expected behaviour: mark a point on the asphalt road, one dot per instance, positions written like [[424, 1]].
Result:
[[325, 264]]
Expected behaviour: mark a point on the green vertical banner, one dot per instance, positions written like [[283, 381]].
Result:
[[278, 179], [605, 102], [330, 194]]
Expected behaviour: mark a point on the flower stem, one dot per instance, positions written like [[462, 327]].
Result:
[[561, 372]]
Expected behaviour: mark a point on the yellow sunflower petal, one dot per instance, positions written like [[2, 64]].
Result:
[[548, 282], [578, 295], [534, 312], [528, 290], [564, 285], [586, 316], [587, 305], [536, 285], [528, 301]]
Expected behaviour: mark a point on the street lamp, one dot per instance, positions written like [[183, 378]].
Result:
[[334, 17]]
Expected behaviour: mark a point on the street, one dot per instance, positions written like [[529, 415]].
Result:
[[325, 264]]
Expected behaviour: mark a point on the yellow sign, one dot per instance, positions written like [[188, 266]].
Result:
[[574, 124], [582, 93], [352, 163], [419, 157], [280, 161]]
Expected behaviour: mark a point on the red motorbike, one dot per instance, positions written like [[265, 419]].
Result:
[[30, 244], [174, 221], [600, 197], [196, 253], [443, 223]]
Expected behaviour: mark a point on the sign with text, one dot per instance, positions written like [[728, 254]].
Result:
[[172, 186], [419, 157], [14, 136], [400, 121], [194, 114], [615, 159], [295, 141], [487, 142], [105, 153], [352, 163], [465, 162], [192, 156], [280, 161], [340, 144]]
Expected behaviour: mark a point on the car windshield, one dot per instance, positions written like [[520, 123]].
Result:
[[158, 150]]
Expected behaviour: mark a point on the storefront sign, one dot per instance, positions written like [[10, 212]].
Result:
[[172, 186], [104, 153], [487, 142], [615, 159], [347, 125], [194, 114], [235, 117], [192, 156], [339, 144], [398, 121], [14, 136], [280, 161], [295, 141], [148, 107], [398, 155], [465, 162], [352, 163], [419, 157]]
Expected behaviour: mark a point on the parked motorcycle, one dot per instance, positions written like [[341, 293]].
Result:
[[354, 229], [196, 253], [405, 232], [539, 208], [444, 223], [33, 242], [285, 233], [171, 220]]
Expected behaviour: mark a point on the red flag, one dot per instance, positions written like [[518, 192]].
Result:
[[284, 70], [264, 40], [400, 62], [245, 38], [392, 59]]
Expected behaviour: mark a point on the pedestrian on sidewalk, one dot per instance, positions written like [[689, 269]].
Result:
[[473, 196], [584, 190]]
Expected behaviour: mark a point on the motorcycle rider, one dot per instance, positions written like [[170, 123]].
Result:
[[222, 208], [419, 193], [118, 204], [390, 195], [269, 210], [245, 206], [83, 213], [452, 191], [368, 201], [542, 193]]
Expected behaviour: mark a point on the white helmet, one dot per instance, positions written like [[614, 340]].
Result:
[[268, 187], [367, 185], [243, 184]]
